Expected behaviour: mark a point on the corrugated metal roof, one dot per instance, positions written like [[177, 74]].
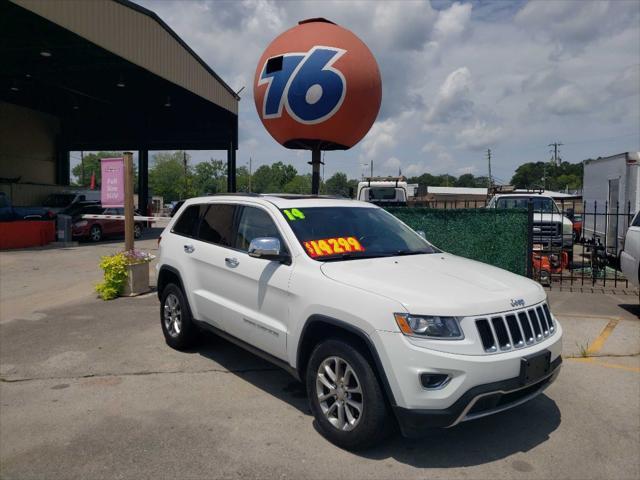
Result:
[[457, 191], [141, 37]]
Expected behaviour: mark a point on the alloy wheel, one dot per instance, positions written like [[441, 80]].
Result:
[[95, 234], [172, 315], [339, 393]]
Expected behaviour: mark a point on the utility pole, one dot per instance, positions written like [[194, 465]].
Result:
[[184, 162], [128, 201], [250, 174], [371, 168], [489, 160], [82, 167], [556, 156]]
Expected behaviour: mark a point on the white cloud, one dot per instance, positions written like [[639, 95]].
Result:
[[453, 21], [480, 135], [453, 100], [458, 79], [570, 25], [627, 83], [567, 100]]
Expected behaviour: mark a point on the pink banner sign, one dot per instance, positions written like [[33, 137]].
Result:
[[112, 185]]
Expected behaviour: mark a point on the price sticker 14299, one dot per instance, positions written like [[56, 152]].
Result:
[[332, 246]]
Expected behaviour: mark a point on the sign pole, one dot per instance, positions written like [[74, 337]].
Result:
[[128, 201], [315, 171]]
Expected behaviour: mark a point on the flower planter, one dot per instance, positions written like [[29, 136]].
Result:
[[137, 280]]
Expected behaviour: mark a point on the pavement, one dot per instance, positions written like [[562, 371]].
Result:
[[89, 389]]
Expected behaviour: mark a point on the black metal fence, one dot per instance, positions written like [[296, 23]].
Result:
[[579, 243]]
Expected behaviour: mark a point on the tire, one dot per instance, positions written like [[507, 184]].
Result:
[[137, 230], [95, 233], [342, 423], [175, 318]]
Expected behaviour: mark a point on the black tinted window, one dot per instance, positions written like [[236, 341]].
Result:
[[636, 221], [217, 225], [255, 223], [188, 221]]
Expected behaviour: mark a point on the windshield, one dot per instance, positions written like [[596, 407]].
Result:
[[382, 193], [540, 204], [346, 233], [59, 200]]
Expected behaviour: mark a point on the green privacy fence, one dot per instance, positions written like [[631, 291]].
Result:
[[497, 237]]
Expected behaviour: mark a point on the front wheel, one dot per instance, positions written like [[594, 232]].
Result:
[[345, 396], [95, 233], [175, 317]]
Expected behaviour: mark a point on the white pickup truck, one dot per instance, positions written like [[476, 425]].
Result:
[[550, 227], [389, 191]]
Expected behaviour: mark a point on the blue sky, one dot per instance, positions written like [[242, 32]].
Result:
[[458, 78]]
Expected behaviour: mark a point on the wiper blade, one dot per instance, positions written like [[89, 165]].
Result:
[[355, 256], [411, 252]]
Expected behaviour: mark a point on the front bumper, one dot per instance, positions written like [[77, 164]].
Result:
[[476, 402]]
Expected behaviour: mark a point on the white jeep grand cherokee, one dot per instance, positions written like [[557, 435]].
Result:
[[374, 320]]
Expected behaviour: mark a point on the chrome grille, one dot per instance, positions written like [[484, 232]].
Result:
[[546, 229], [515, 329]]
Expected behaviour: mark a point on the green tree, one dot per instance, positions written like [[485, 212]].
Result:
[[548, 175], [338, 184], [466, 180], [89, 165], [210, 177], [272, 178], [167, 176], [299, 184]]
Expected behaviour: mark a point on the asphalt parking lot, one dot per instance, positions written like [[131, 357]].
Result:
[[88, 389]]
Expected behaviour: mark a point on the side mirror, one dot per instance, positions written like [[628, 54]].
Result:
[[422, 234], [267, 248]]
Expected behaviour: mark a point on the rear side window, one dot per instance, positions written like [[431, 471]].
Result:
[[188, 221], [254, 223], [636, 221], [217, 225]]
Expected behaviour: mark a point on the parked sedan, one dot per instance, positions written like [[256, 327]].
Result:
[[630, 256], [96, 229]]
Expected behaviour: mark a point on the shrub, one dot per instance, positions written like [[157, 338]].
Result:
[[115, 276], [115, 271]]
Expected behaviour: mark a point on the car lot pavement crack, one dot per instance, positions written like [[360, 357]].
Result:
[[135, 374]]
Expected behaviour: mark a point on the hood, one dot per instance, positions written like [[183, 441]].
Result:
[[437, 284]]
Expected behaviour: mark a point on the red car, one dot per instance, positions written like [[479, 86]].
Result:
[[96, 229]]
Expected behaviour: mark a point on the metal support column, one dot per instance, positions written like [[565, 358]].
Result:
[[231, 169], [63, 169], [316, 161], [143, 181]]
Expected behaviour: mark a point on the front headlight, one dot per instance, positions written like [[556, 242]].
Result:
[[81, 223], [429, 326]]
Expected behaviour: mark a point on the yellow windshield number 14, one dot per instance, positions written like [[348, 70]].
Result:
[[294, 214]]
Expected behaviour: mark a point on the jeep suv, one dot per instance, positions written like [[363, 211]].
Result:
[[376, 322]]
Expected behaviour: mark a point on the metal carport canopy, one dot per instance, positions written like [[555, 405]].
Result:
[[116, 76]]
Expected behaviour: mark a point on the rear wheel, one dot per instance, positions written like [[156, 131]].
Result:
[[175, 317], [345, 396], [137, 230], [95, 233]]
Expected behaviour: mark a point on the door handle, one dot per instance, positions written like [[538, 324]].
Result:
[[189, 248], [232, 262]]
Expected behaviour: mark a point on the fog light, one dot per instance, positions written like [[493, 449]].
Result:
[[434, 380]]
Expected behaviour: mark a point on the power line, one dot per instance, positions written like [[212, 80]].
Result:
[[556, 158]]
